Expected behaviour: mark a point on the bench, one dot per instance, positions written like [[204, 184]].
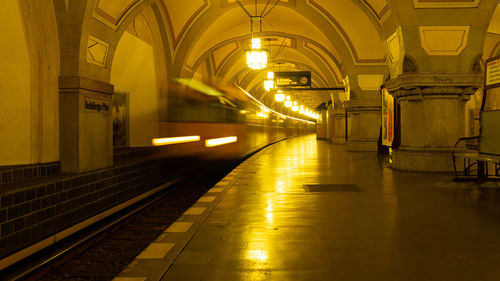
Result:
[[481, 162]]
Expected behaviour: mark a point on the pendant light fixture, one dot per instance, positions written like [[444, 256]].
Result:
[[279, 96], [269, 82], [256, 55]]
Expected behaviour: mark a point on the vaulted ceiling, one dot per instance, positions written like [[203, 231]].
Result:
[[207, 38]]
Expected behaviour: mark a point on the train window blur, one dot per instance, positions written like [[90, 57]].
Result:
[[191, 100], [186, 104]]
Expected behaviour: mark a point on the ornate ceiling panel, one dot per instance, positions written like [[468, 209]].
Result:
[[357, 30], [379, 7], [223, 53], [112, 13], [181, 15]]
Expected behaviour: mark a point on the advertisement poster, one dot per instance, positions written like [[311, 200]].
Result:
[[387, 118], [120, 124]]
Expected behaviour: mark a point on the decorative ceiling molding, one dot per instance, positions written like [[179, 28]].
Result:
[[292, 44], [220, 63], [382, 14], [395, 52], [491, 45], [433, 4], [97, 51], [316, 49], [177, 38], [345, 37], [444, 40], [113, 18]]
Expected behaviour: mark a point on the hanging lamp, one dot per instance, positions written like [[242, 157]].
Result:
[[256, 55]]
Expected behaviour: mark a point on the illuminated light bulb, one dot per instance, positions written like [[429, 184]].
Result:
[[295, 107], [301, 110], [270, 75], [257, 59], [268, 84], [279, 97], [256, 43], [288, 102]]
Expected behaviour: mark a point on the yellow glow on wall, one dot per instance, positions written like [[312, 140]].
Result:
[[173, 140], [220, 141], [262, 115]]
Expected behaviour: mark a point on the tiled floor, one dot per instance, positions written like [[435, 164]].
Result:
[[355, 220]]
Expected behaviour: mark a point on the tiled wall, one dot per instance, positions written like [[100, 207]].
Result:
[[18, 173], [39, 211]]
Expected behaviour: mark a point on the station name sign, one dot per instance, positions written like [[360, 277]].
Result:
[[96, 105]]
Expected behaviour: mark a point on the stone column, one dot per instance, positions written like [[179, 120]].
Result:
[[339, 133], [321, 129], [86, 125], [432, 118], [364, 124]]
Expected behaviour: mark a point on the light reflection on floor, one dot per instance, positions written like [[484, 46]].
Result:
[[401, 226]]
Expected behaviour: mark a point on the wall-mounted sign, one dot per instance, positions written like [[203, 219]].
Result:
[[387, 118], [292, 78], [492, 73], [96, 105]]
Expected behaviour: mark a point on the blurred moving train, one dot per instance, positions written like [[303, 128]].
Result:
[[221, 122]]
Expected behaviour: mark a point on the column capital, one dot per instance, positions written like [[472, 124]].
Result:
[[70, 84], [429, 85]]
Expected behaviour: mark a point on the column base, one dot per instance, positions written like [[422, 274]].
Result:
[[338, 140], [422, 160]]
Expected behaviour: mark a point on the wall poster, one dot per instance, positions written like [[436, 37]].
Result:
[[387, 118], [120, 120]]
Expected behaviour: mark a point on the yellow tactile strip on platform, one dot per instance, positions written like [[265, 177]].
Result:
[[154, 261]]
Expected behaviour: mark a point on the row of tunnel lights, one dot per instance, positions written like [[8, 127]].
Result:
[[281, 97], [257, 59]]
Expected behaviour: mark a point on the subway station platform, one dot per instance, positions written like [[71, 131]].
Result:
[[304, 209]]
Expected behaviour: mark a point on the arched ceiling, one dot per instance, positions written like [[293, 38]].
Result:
[[209, 37]]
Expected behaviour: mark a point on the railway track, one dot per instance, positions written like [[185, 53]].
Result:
[[104, 250]]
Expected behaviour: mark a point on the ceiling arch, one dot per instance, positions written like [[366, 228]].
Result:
[[329, 38]]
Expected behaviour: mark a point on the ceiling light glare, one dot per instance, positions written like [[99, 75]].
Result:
[[279, 97]]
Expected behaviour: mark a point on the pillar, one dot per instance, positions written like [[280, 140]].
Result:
[[364, 124], [321, 128], [86, 126], [432, 108], [339, 133]]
